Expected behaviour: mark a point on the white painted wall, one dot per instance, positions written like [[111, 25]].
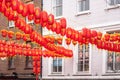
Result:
[[100, 19]]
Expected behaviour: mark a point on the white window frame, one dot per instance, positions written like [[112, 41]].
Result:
[[11, 24], [84, 7], [50, 67], [83, 54], [114, 6], [54, 9]]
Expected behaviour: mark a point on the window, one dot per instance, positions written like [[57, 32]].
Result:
[[57, 9], [113, 2], [29, 62], [83, 5], [83, 58], [113, 62], [57, 65], [11, 24], [11, 64]]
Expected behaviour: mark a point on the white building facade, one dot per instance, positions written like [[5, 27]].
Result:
[[88, 62]]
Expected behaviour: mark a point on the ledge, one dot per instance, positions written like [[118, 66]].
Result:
[[83, 13], [112, 7]]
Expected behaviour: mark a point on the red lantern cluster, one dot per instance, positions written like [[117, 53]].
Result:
[[36, 64]]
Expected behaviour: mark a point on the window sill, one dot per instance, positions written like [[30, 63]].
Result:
[[113, 7], [111, 74], [83, 13], [82, 74], [59, 17], [56, 74], [11, 68], [28, 68]]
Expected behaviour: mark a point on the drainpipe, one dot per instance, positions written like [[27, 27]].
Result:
[[41, 48]]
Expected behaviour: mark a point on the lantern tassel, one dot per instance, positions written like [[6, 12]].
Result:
[[36, 76]]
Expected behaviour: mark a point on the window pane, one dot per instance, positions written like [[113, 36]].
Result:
[[58, 2], [111, 2], [117, 1], [87, 5], [117, 61], [59, 68], [54, 68], [55, 62], [86, 65], [83, 5], [110, 61], [59, 62], [80, 66]]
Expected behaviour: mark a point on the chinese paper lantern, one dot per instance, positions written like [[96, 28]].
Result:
[[68, 41], [25, 11], [50, 19], [99, 35], [10, 34], [7, 13], [107, 36], [44, 16], [84, 32], [30, 17], [94, 33], [63, 22], [59, 40], [68, 32], [4, 32], [54, 26], [25, 37], [18, 35], [80, 37], [14, 4], [30, 8], [63, 31], [74, 42], [88, 33], [15, 15], [37, 13], [58, 28]]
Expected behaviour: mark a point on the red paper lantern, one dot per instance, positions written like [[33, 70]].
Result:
[[94, 33], [63, 23], [14, 4], [59, 40], [58, 28], [30, 8], [68, 41], [18, 35], [107, 36], [84, 32], [74, 42], [25, 11], [37, 13], [4, 32], [10, 34], [20, 7], [99, 35], [54, 26], [44, 16], [50, 19], [68, 32], [63, 31]]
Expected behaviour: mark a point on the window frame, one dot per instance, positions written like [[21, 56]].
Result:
[[11, 24], [83, 59], [84, 6], [57, 72], [11, 63], [55, 6]]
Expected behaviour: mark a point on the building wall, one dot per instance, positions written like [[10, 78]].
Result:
[[101, 18], [20, 68]]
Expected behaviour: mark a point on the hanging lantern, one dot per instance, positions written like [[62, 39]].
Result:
[[25, 11], [30, 7], [4, 32], [99, 35], [63, 23], [88, 33], [7, 12], [93, 33], [80, 37], [10, 34], [63, 31], [107, 36], [54, 26], [59, 40], [3, 7], [30, 17], [84, 32], [14, 4], [37, 13], [68, 32], [25, 37], [44, 16], [20, 7], [58, 28], [74, 42], [18, 35], [68, 41], [50, 19]]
